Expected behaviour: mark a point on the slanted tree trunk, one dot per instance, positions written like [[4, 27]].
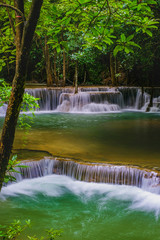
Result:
[[112, 70], [76, 77], [48, 64], [24, 36]]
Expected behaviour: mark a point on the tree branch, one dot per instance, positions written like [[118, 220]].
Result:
[[94, 18], [31, 23], [11, 22], [13, 8]]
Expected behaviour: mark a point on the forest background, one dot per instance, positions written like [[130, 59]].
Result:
[[89, 42], [76, 42]]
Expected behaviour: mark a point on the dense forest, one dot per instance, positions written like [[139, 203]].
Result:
[[87, 166], [87, 42]]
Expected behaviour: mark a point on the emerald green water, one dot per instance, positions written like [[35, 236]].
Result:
[[83, 210], [119, 138], [89, 210]]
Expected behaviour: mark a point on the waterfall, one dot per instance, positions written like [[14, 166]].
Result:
[[90, 102], [48, 97], [95, 99], [3, 109], [100, 173]]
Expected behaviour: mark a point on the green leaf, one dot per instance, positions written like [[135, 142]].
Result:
[[134, 44], [130, 37], [98, 46], [58, 48], [123, 37], [67, 21], [151, 2], [128, 50], [117, 49], [108, 41], [149, 33], [138, 29], [83, 1], [14, 157]]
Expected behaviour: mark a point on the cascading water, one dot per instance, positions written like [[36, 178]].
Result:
[[91, 101], [3, 109], [95, 99], [48, 98], [100, 173]]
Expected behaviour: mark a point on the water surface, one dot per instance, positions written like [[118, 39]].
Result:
[[88, 211], [83, 210], [119, 138]]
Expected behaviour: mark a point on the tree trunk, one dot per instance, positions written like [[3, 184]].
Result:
[[112, 70], [76, 77], [23, 43], [116, 70], [55, 67], [67, 67], [48, 64], [151, 101], [19, 27], [142, 90], [85, 75], [64, 68]]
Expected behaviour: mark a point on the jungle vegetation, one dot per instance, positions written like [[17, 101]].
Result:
[[75, 42], [93, 42]]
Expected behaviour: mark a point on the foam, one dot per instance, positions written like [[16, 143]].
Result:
[[57, 185]]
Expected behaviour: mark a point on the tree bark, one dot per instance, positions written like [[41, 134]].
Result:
[[64, 68], [48, 64], [112, 70], [76, 77], [19, 27], [142, 90], [151, 100], [85, 74], [55, 67], [23, 44]]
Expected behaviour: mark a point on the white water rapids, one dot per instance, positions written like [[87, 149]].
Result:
[[56, 185], [96, 100], [93, 99], [99, 173]]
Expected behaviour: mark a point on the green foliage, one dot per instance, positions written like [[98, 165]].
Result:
[[35, 238], [16, 228], [5, 92], [29, 104], [7, 45], [78, 28], [11, 168], [53, 233], [125, 44], [110, 26]]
